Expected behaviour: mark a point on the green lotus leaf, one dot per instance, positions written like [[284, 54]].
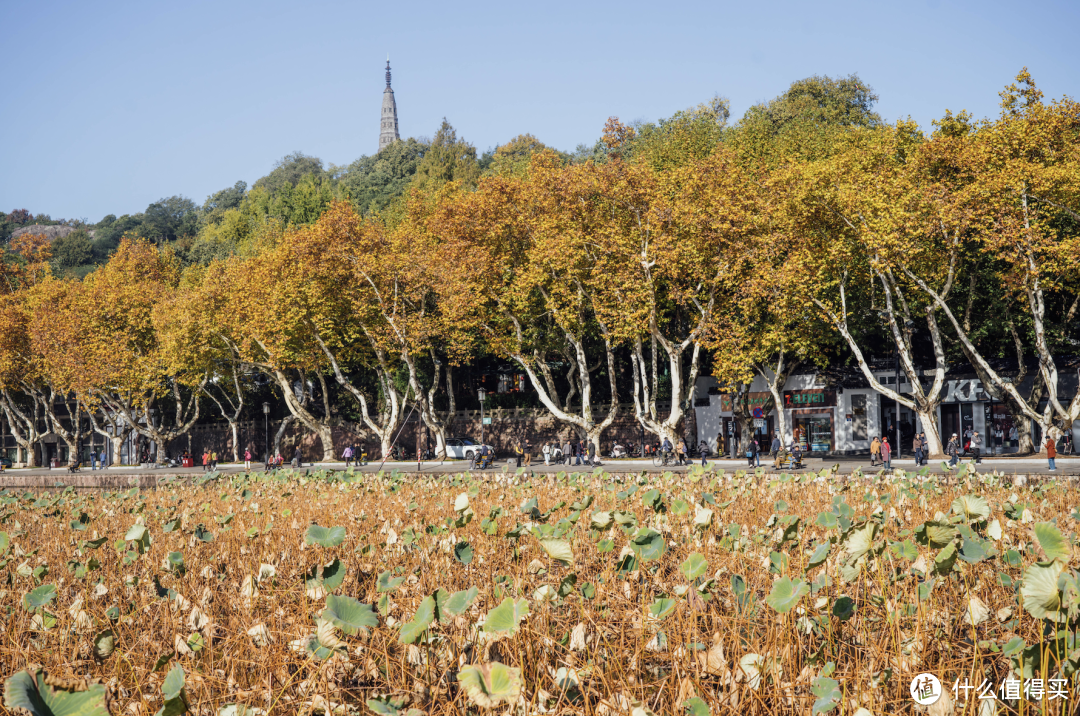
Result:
[[974, 508], [694, 706], [648, 544], [32, 692], [504, 618], [386, 584], [488, 685], [786, 594], [662, 608], [5, 542], [39, 597], [333, 574], [349, 615], [324, 536], [411, 631], [1051, 541], [843, 608], [451, 605], [821, 553], [463, 552], [136, 533], [827, 694], [173, 685], [694, 566], [904, 550], [938, 534]]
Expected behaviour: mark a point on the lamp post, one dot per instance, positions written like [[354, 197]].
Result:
[[266, 428], [482, 395]]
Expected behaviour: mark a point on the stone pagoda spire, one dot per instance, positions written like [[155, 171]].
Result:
[[388, 129]]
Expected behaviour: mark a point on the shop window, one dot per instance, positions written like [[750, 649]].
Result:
[[813, 433]]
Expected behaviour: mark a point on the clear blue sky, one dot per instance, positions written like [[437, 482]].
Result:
[[109, 106]]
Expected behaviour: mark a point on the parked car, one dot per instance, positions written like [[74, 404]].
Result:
[[462, 448]]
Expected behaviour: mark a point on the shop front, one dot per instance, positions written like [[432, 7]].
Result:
[[813, 419]]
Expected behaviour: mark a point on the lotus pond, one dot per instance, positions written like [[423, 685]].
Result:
[[582, 593]]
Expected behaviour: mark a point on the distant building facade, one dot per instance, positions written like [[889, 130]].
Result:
[[388, 127]]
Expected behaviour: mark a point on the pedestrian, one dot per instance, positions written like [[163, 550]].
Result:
[[953, 450], [925, 449], [703, 448], [93, 459], [213, 460], [546, 450], [206, 460], [567, 452], [875, 451], [1051, 453], [774, 449], [247, 459], [917, 446], [751, 452], [976, 447], [886, 453], [528, 453], [298, 460], [683, 457], [347, 454], [579, 452], [591, 452]]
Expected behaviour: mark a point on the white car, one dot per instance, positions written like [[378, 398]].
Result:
[[462, 448]]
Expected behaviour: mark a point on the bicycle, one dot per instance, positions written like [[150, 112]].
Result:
[[662, 459]]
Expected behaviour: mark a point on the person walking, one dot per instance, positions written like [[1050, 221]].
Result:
[[347, 454], [298, 460], [591, 452], [976, 447], [93, 459], [684, 458], [1051, 453], [953, 450], [703, 448], [886, 453], [546, 450], [774, 450], [213, 460], [751, 452], [567, 453], [917, 446], [528, 453], [247, 459], [875, 451]]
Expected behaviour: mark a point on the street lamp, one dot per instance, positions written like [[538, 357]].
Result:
[[482, 395], [266, 427]]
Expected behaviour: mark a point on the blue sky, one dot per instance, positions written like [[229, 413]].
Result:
[[109, 106]]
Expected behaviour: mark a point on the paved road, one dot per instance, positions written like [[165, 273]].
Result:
[[118, 477]]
